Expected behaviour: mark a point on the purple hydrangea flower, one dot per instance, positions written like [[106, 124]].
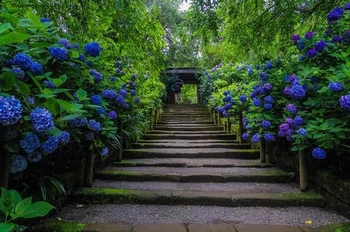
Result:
[[296, 38], [320, 45], [109, 94], [309, 34], [347, 6], [64, 137], [345, 101], [10, 110], [256, 138], [59, 54], [30, 143], [266, 124], [286, 90], [243, 98], [42, 119], [319, 153], [256, 102], [267, 86], [50, 145], [93, 49], [291, 108], [104, 152], [336, 39], [284, 127], [297, 92], [267, 106], [112, 114], [245, 136], [336, 86], [94, 125], [269, 137], [289, 121], [96, 99], [18, 164], [19, 73], [311, 53], [298, 121], [335, 14]]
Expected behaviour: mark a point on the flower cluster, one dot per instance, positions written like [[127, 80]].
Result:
[[96, 99], [94, 125], [109, 94], [50, 145], [18, 164], [30, 143], [98, 77], [79, 122], [42, 119], [10, 110], [64, 137], [93, 49], [59, 54]]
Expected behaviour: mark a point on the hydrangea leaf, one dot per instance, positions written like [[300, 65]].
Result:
[[23, 88], [7, 80], [13, 37], [7, 227], [53, 106], [5, 27]]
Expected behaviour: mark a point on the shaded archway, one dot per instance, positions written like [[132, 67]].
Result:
[[188, 76]]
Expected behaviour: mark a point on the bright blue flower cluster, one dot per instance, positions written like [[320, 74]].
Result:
[[30, 143], [320, 45], [120, 100], [269, 137], [132, 92], [50, 145], [245, 136], [311, 53], [335, 86], [256, 138], [79, 122], [335, 14], [94, 125], [296, 38], [98, 77], [104, 152], [109, 94], [256, 102], [112, 114], [42, 119], [123, 92], [302, 132], [10, 110], [266, 124], [291, 108], [93, 49], [36, 68], [18, 164], [49, 84], [96, 99], [298, 121], [345, 102], [297, 92], [137, 100], [65, 43], [309, 34], [59, 54], [19, 73], [22, 60], [285, 131], [64, 137], [319, 153], [243, 98]]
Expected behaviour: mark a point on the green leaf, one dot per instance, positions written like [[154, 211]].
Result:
[[37, 209], [11, 147], [56, 91], [81, 94], [75, 54], [5, 27], [7, 80], [22, 207], [13, 20], [67, 106], [6, 227], [36, 82], [70, 117], [13, 37], [8, 200], [23, 88], [34, 18], [55, 131], [53, 106]]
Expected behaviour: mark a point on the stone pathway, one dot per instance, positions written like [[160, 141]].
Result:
[[188, 175]]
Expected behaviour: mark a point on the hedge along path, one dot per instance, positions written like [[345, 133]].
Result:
[[187, 170]]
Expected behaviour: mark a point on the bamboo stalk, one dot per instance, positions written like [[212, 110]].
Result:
[[303, 173]]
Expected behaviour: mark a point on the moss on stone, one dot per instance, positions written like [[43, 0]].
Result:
[[343, 228], [60, 226]]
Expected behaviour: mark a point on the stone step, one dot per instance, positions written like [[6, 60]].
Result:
[[190, 136], [176, 197], [186, 127], [190, 163], [198, 111], [191, 153], [185, 141], [185, 118], [202, 174], [185, 132], [186, 144], [190, 216], [190, 123]]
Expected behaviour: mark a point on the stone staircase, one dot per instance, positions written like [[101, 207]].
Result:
[[188, 170]]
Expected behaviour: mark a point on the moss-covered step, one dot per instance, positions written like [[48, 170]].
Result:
[[189, 122], [122, 196], [217, 132], [181, 141], [191, 153], [189, 128], [54, 225], [215, 175], [186, 114], [190, 136], [186, 144], [183, 162]]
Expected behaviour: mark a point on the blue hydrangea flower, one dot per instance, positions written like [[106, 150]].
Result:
[[94, 125], [124, 85], [296, 38], [81, 57], [228, 98], [42, 119], [335, 86], [309, 34], [256, 102], [133, 77], [267, 86], [268, 99], [18, 164], [297, 92], [347, 6], [289, 121], [59, 54], [104, 152], [45, 20], [30, 143], [345, 101], [335, 14], [65, 43], [34, 157], [112, 78], [137, 100], [266, 124], [109, 94], [19, 73], [93, 49], [89, 136], [49, 84], [77, 122], [123, 92], [112, 114], [269, 137], [319, 153], [267, 106], [50, 145], [243, 98], [302, 132], [101, 110], [256, 138], [245, 136], [284, 127], [126, 106], [120, 100], [301, 45], [10, 110], [291, 108], [118, 63], [31, 100], [320, 45], [336, 39], [269, 65], [64, 137], [132, 92], [263, 76], [36, 68], [298, 121], [96, 99], [22, 60], [98, 77], [311, 53]]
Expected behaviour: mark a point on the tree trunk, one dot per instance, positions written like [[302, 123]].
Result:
[[303, 174]]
